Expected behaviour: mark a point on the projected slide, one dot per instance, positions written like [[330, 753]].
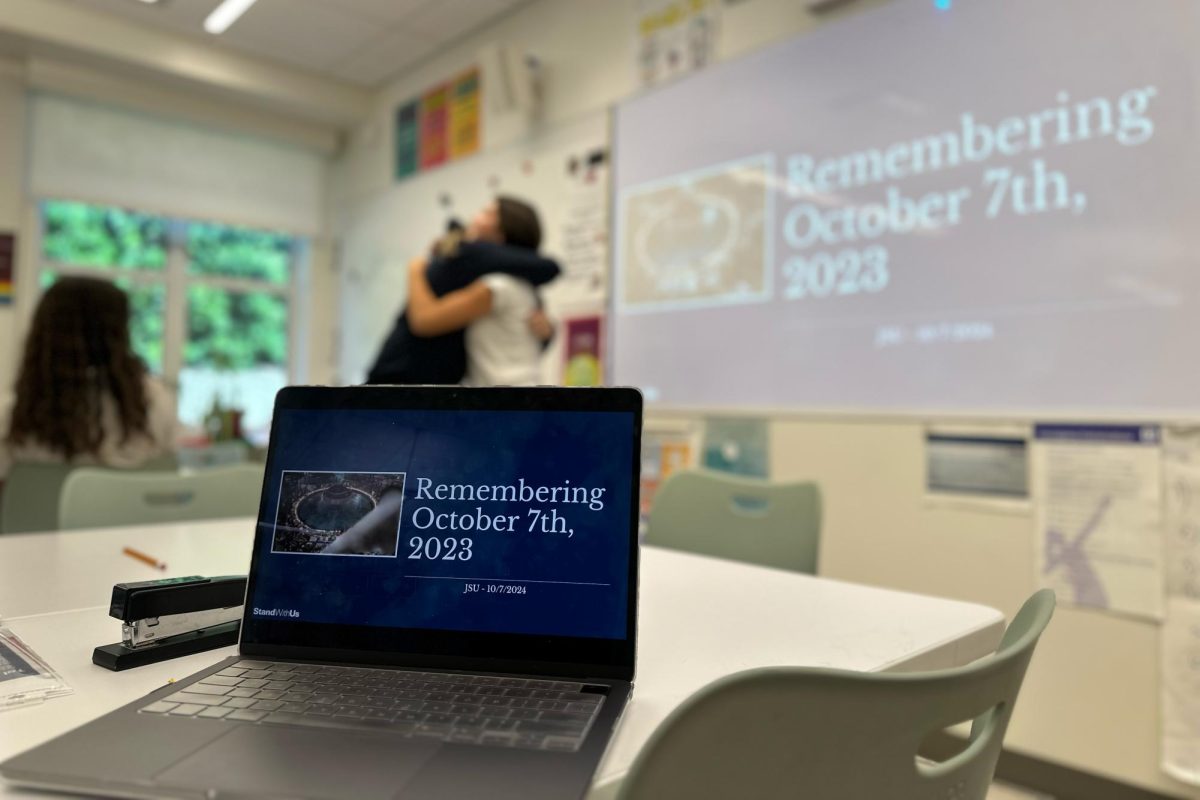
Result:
[[698, 239], [898, 212]]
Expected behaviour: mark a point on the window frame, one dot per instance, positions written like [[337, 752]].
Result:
[[175, 279]]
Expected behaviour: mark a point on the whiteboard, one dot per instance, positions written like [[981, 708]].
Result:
[[383, 235], [984, 208]]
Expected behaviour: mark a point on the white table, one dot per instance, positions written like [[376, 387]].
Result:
[[700, 619], [45, 572]]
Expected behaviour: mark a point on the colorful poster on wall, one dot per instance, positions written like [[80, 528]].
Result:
[[8, 260], [443, 125], [407, 139], [675, 37], [434, 127], [583, 359], [464, 114], [664, 451]]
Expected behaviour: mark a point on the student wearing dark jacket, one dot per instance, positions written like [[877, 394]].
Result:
[[503, 239]]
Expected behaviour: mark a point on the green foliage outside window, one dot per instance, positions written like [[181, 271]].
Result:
[[236, 330], [225, 329], [83, 235], [233, 330], [238, 253]]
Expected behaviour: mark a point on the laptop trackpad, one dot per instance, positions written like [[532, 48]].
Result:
[[288, 762]]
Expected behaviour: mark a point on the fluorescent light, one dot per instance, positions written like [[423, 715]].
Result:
[[225, 15]]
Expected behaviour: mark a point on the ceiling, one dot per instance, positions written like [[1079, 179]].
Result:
[[364, 42]]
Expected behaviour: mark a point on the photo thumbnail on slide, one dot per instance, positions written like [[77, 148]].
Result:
[[698, 239], [339, 513]]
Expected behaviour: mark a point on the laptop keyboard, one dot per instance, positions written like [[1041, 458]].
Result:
[[465, 709]]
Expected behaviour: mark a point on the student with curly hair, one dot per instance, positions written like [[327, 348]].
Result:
[[82, 395]]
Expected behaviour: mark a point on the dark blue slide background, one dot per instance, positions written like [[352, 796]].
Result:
[[493, 448]]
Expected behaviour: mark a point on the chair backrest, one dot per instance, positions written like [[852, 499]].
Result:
[[29, 501], [786, 732], [743, 519], [96, 498]]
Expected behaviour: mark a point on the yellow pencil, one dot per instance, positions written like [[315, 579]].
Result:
[[145, 559]]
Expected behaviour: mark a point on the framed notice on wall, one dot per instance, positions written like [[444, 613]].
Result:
[[8, 260]]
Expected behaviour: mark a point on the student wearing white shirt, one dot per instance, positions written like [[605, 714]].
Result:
[[505, 329]]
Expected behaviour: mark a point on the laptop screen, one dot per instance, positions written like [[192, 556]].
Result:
[[483, 520]]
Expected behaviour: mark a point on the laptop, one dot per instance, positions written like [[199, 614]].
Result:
[[442, 603]]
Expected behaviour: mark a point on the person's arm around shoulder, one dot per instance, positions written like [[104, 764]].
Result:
[[430, 315], [488, 257]]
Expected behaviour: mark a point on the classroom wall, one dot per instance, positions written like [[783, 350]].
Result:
[[315, 337], [1091, 697], [586, 49]]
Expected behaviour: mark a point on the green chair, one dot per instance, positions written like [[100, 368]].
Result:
[[29, 499], [97, 498], [742, 519], [788, 732], [35, 488]]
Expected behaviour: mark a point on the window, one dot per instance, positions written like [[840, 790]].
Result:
[[209, 302]]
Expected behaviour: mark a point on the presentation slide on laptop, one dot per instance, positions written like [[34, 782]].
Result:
[[491, 521]]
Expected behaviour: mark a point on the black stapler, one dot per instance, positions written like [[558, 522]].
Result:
[[172, 617]]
